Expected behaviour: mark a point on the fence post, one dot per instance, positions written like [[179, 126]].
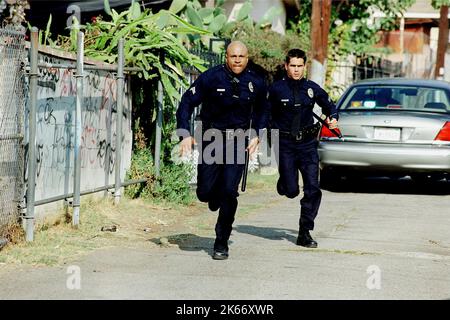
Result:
[[158, 129], [77, 142], [120, 85], [32, 135]]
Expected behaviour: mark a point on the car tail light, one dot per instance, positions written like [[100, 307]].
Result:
[[326, 133], [444, 134]]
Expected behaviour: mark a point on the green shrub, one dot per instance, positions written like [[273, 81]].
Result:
[[171, 186], [141, 167]]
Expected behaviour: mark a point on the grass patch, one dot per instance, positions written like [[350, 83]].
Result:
[[246, 209], [57, 242], [137, 221], [259, 182]]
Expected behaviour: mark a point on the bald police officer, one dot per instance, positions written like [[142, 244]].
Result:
[[291, 101], [230, 94]]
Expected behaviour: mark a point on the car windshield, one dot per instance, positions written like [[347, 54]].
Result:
[[408, 98]]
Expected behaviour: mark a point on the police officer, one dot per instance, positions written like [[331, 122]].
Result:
[[231, 94], [291, 101]]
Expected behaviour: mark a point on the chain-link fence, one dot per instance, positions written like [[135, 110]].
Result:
[[12, 53]]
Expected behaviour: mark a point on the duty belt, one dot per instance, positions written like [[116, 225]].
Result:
[[306, 132]]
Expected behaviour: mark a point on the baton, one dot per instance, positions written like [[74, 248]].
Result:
[[247, 155], [336, 133], [244, 176]]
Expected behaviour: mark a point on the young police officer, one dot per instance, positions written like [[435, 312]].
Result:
[[230, 95], [292, 100]]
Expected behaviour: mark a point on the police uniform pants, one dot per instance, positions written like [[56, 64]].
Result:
[[219, 182], [292, 157]]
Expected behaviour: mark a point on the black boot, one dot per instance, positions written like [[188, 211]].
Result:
[[220, 255], [220, 251], [305, 240]]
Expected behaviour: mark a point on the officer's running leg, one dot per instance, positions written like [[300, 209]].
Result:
[[215, 197], [312, 195], [208, 174], [232, 175], [287, 184]]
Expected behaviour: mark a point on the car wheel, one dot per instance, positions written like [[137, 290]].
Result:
[[328, 178]]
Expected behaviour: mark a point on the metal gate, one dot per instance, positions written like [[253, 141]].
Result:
[[12, 54]]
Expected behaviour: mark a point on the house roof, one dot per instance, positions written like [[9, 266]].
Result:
[[422, 9]]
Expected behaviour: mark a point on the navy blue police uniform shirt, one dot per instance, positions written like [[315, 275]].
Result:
[[226, 100], [293, 100]]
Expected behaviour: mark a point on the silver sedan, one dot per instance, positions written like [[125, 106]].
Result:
[[395, 127]]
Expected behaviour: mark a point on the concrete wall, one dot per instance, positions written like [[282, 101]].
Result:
[[55, 129]]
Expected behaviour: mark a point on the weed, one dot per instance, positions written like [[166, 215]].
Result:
[[13, 233], [172, 186]]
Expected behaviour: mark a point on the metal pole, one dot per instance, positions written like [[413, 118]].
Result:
[[158, 129], [118, 162], [86, 192], [442, 43], [320, 28], [32, 135], [402, 36], [77, 142]]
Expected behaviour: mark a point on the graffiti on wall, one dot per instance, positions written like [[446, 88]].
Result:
[[55, 129]]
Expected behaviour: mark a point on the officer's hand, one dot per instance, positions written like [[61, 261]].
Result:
[[186, 146], [253, 145], [333, 124]]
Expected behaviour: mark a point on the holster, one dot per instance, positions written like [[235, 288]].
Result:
[[303, 133]]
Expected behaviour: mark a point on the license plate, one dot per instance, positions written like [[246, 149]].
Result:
[[387, 134]]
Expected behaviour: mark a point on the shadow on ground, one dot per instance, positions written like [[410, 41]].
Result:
[[188, 242], [268, 232]]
